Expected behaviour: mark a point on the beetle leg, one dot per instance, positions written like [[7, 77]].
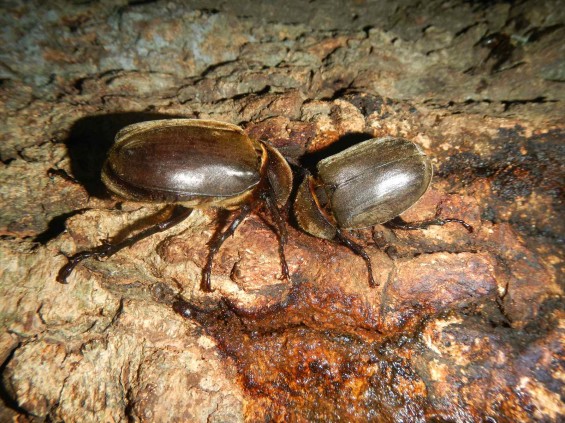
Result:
[[359, 250], [52, 172], [107, 249], [399, 223], [281, 232], [217, 243]]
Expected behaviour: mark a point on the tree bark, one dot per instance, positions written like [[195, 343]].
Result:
[[461, 327]]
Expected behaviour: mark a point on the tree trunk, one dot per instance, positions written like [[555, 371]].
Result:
[[464, 327]]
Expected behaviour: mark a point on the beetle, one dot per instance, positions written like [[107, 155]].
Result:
[[367, 184], [190, 163]]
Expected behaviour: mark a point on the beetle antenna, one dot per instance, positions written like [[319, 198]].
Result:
[[216, 243], [360, 251]]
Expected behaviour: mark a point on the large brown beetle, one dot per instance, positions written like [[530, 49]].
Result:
[[193, 163], [202, 163]]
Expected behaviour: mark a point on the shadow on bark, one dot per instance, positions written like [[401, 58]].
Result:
[[90, 139]]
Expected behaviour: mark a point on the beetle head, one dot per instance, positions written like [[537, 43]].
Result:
[[278, 173], [310, 212]]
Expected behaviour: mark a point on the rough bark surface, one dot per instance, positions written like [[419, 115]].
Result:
[[462, 327]]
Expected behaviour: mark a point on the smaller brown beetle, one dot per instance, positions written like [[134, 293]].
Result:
[[367, 184], [193, 163]]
